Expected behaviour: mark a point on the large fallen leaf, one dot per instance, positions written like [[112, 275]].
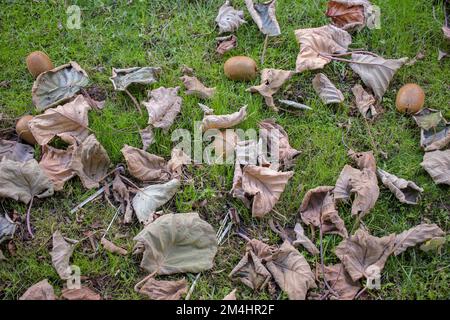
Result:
[[405, 191], [152, 197], [376, 72], [90, 162], [365, 102], [39, 291], [251, 270], [225, 44], [361, 251], [145, 166], [84, 293], [271, 82], [21, 181], [317, 44], [61, 253], [266, 187], [163, 107], [417, 235], [224, 121], [178, 243], [7, 228], [69, 121], [55, 164], [349, 14], [162, 289], [327, 90], [15, 151], [291, 272], [341, 282], [196, 88], [264, 16], [302, 239], [56, 86], [277, 141], [122, 78], [437, 164], [229, 19]]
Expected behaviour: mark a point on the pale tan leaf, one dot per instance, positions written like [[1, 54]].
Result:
[[122, 78], [55, 164], [162, 290], [145, 166], [231, 295], [39, 291], [147, 137], [327, 90], [229, 19], [365, 102], [416, 235], [405, 191], [224, 121], [111, 247], [264, 16], [341, 282], [302, 239], [225, 143], [177, 160], [121, 194], [196, 88], [15, 151], [61, 253], [236, 190], [7, 228], [225, 44], [437, 164], [84, 293], [163, 107], [364, 160]]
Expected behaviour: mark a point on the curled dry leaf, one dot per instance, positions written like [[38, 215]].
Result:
[[147, 137], [349, 14], [56, 86], [162, 290], [84, 293], [266, 187], [163, 107], [145, 166], [121, 194], [237, 191], [291, 272], [55, 164], [341, 282], [122, 78], [61, 253], [111, 247], [21, 181], [15, 151], [361, 253], [224, 121], [376, 72], [196, 88], [178, 159], [264, 16], [229, 19], [317, 44], [225, 44], [39, 291], [205, 109], [437, 164], [152, 197], [295, 104], [435, 130], [69, 122], [365, 102], [231, 295], [90, 162], [428, 119], [7, 228], [405, 191], [178, 243], [414, 236], [302, 239], [327, 90], [271, 82]]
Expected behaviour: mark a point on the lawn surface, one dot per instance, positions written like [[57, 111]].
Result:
[[172, 33]]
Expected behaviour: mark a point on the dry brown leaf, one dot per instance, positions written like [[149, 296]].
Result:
[[291, 272], [163, 107], [405, 191], [177, 160], [416, 235], [429, 118], [264, 16], [122, 78], [69, 122], [361, 251], [111, 247], [84, 293], [341, 282], [61, 253], [302, 239], [15, 151], [364, 160], [225, 44], [147, 137], [271, 82], [145, 166], [55, 164], [236, 190], [435, 138], [327, 90], [349, 14], [121, 194], [196, 88], [7, 228], [266, 187], [318, 43], [437, 164], [229, 19], [162, 290], [224, 121], [365, 102], [231, 295], [39, 291], [224, 145]]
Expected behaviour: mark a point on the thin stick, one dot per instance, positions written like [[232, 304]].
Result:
[[111, 223], [188, 296], [136, 103], [266, 42], [92, 197], [28, 218]]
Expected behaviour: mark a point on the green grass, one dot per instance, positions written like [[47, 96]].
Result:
[[170, 34]]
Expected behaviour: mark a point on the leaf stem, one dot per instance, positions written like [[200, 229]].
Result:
[[30, 232]]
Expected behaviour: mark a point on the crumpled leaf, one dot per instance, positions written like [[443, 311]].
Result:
[[266, 187], [122, 78], [162, 289], [196, 88], [231, 295], [275, 136], [121, 194], [152, 197], [7, 228], [147, 137], [291, 272], [237, 191], [90, 162], [437, 164], [229, 19], [205, 109], [365, 102], [145, 166], [225, 44], [178, 243], [55, 164], [349, 14], [111, 247], [271, 82], [15, 151], [56, 86], [428, 118], [405, 191], [224, 121], [376, 72], [61, 253], [69, 122], [317, 43], [251, 270], [21, 181], [177, 160], [416, 235], [361, 251], [436, 138], [39, 291], [341, 282], [302, 239], [264, 16], [327, 90], [163, 107], [84, 293], [364, 160]]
